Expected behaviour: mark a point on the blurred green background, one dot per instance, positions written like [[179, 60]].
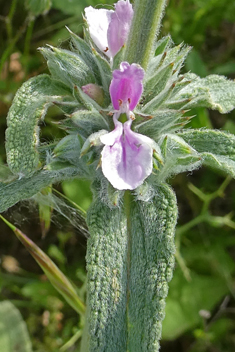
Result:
[[200, 312]]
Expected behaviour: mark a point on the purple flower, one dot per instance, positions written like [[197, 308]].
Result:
[[126, 156], [126, 86], [109, 29]]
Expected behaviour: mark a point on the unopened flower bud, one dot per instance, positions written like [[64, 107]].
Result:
[[94, 92]]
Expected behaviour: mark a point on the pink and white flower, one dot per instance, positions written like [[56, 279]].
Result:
[[109, 29], [127, 156]]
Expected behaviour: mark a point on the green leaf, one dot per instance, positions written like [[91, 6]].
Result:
[[216, 148], [67, 67], [130, 260], [85, 51], [99, 65], [154, 105], [160, 123], [156, 83], [223, 163], [176, 53], [215, 92], [27, 187], [22, 135], [68, 150], [186, 299], [13, 331], [88, 122], [6, 175], [178, 155], [38, 7], [210, 141], [162, 45], [162, 78], [105, 74]]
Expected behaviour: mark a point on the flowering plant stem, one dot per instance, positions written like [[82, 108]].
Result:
[[145, 26], [130, 258]]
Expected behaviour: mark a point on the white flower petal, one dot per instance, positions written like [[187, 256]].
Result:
[[98, 22], [126, 158]]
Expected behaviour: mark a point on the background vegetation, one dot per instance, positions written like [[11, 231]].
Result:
[[201, 303]]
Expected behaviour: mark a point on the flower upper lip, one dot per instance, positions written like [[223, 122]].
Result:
[[126, 86]]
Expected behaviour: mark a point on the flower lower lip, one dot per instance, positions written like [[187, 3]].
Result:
[[126, 157]]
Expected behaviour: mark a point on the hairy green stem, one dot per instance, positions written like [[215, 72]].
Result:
[[127, 206], [145, 27], [130, 259]]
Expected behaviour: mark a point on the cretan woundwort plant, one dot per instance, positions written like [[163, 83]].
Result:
[[126, 108]]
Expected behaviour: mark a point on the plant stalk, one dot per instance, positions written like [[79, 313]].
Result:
[[144, 30], [127, 207]]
